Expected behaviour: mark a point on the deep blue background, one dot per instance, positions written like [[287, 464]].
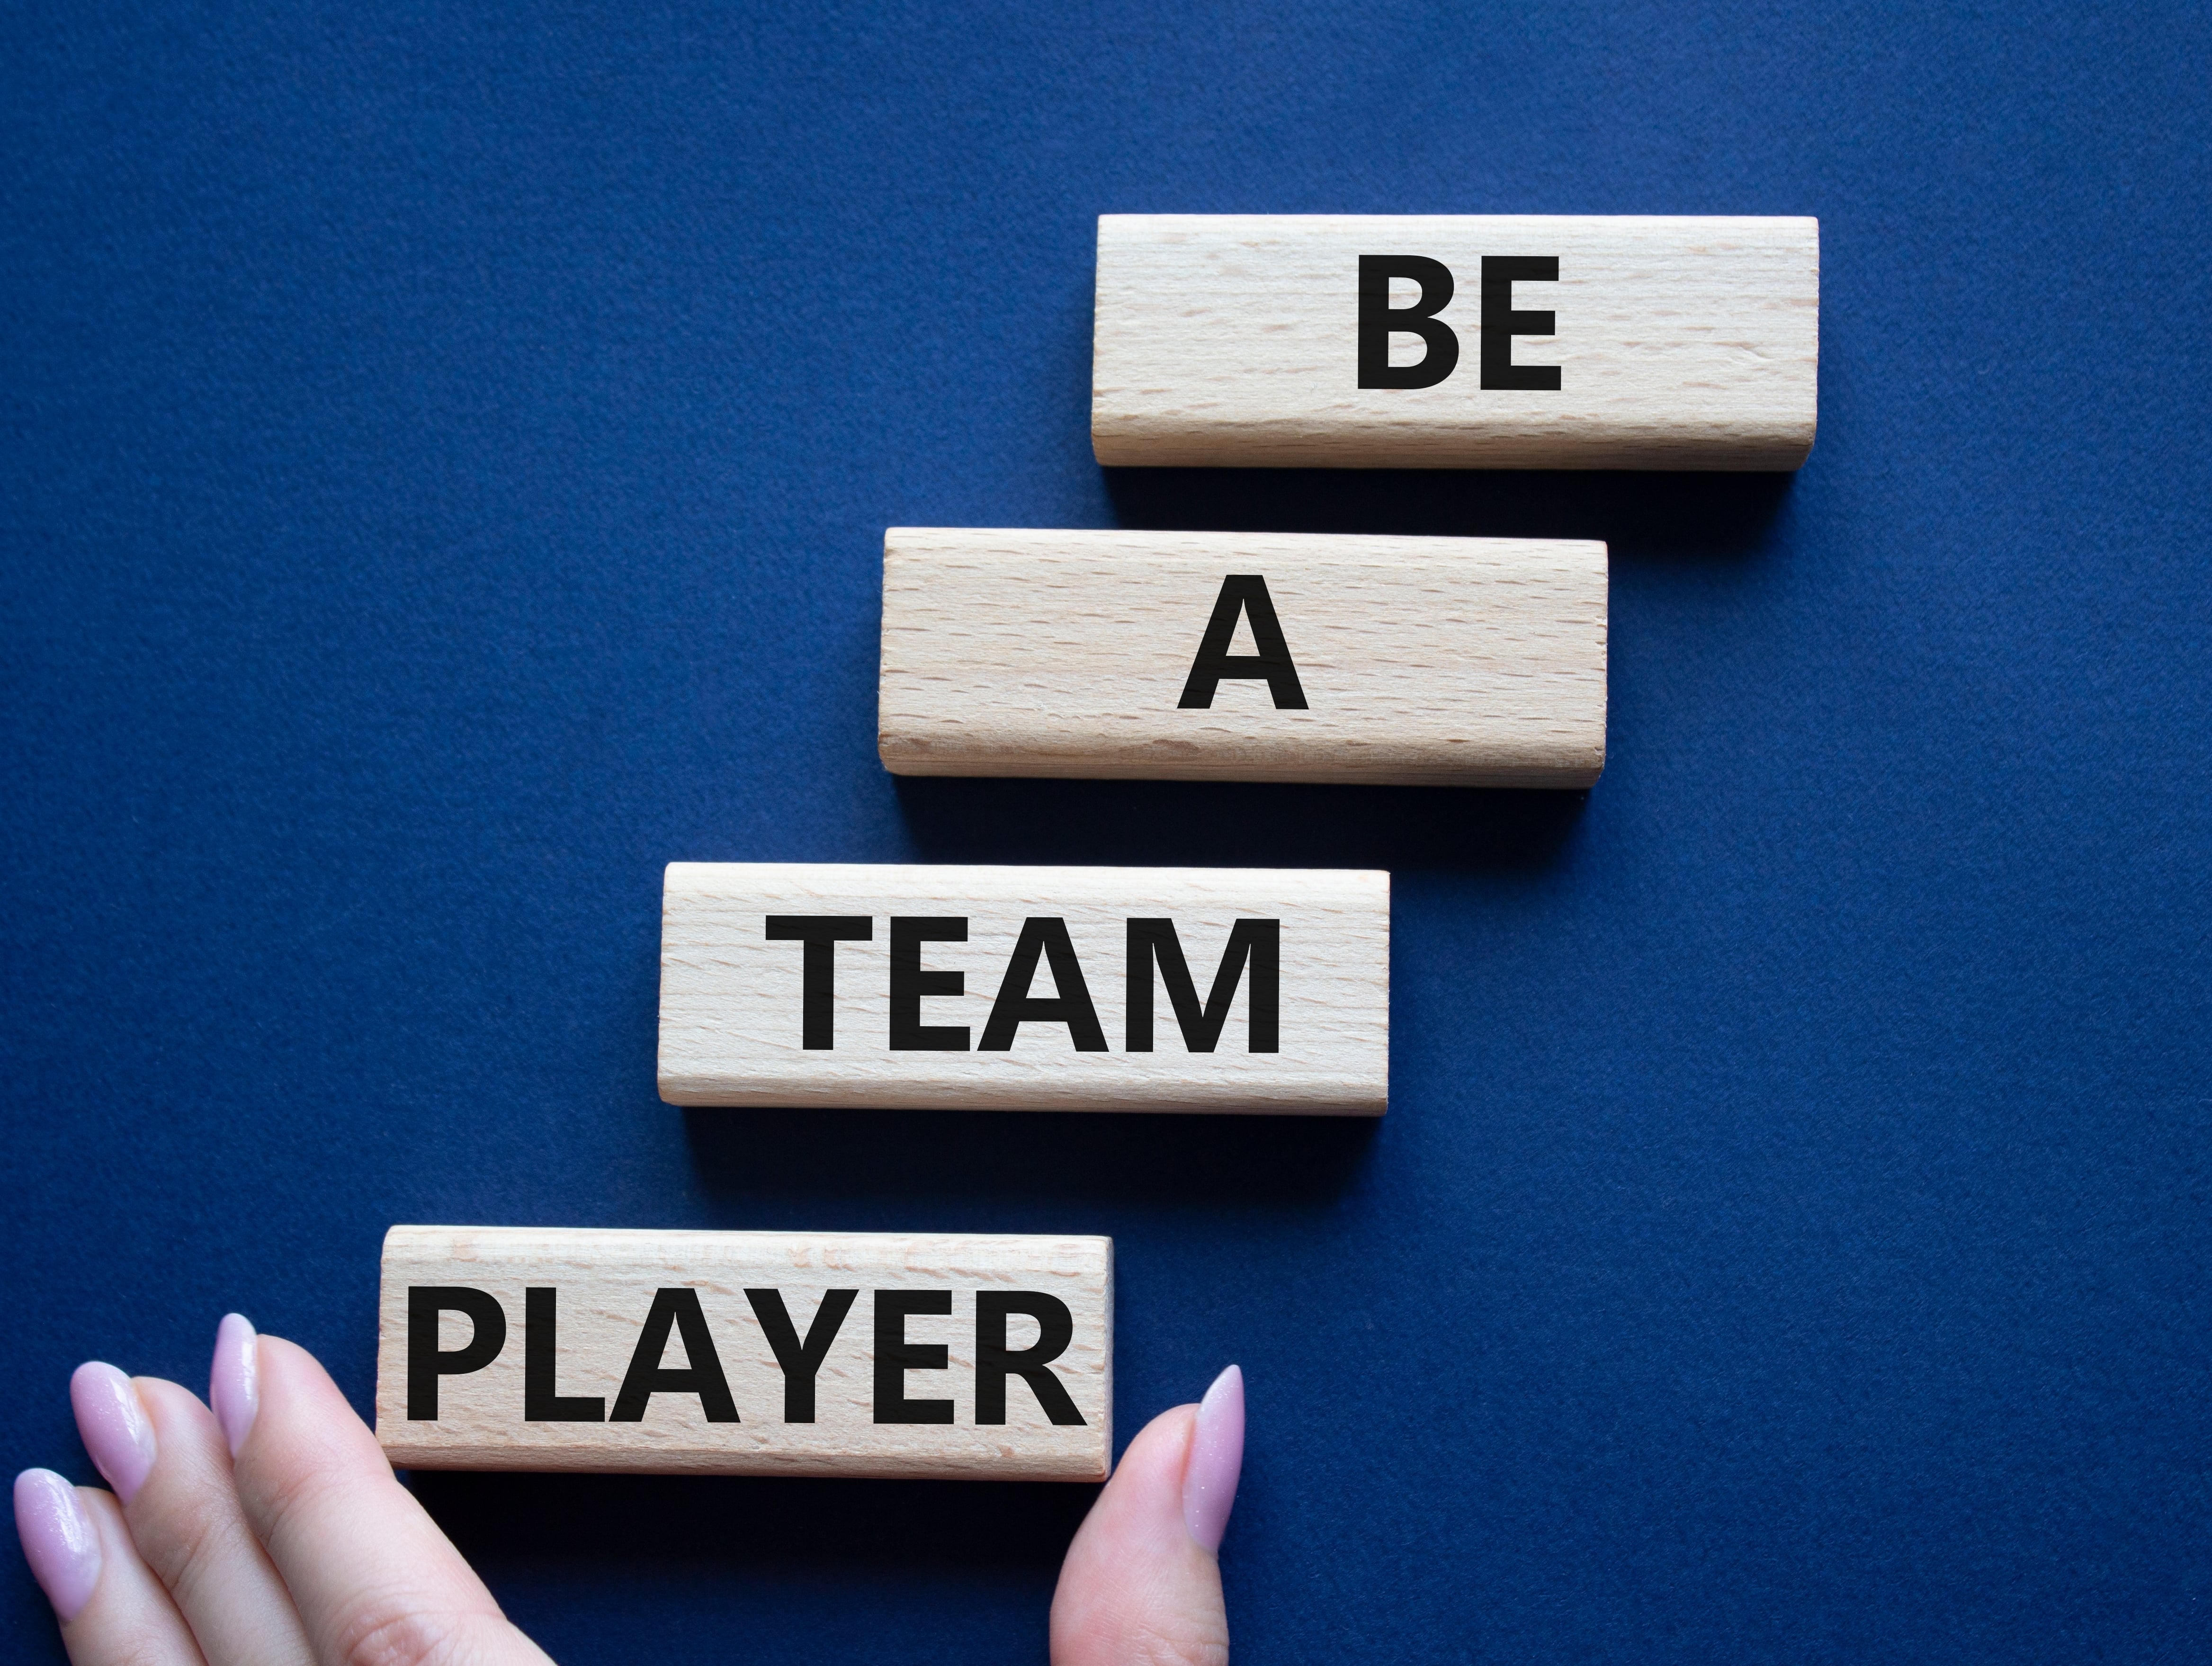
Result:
[[446, 456]]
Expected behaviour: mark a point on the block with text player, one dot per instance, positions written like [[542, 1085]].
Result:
[[796, 1353]]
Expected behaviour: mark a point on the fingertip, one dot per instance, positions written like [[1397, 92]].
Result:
[[356, 1552], [128, 1617], [59, 1540], [113, 1423], [1217, 1459], [1138, 1583], [233, 1384]]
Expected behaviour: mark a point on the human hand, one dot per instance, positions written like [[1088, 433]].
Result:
[[269, 1531]]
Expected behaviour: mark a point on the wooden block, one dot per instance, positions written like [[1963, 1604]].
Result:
[[787, 1353], [1241, 656], [1455, 340], [1026, 988]]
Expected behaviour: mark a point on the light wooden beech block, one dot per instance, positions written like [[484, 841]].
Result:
[[1026, 988], [788, 1353], [1243, 656], [1459, 341]]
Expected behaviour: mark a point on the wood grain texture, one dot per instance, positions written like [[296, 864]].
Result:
[[1447, 661], [606, 1285], [1231, 340], [732, 999]]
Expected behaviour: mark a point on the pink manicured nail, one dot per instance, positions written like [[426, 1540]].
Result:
[[232, 1391], [113, 1426], [1216, 1457], [59, 1540]]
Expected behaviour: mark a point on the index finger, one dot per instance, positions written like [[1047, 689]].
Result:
[[373, 1577]]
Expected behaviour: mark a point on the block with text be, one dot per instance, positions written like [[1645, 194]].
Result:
[[795, 1353], [1456, 341], [1243, 656], [1043, 989]]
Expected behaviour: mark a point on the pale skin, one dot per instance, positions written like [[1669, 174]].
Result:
[[271, 1531]]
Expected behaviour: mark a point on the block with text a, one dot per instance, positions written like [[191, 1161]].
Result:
[[1042, 988], [1243, 656], [794, 1354], [1456, 341]]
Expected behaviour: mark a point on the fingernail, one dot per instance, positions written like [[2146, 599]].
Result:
[[1216, 1457], [59, 1540], [232, 1389], [113, 1424]]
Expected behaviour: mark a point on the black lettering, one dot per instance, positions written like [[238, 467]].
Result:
[[895, 1356], [1261, 939], [995, 1361], [1378, 321], [1500, 323], [822, 933], [425, 1364], [540, 1351], [801, 1361], [909, 983], [1015, 1007], [702, 1373], [1245, 593]]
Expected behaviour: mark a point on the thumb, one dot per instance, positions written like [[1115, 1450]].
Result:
[[1141, 1581]]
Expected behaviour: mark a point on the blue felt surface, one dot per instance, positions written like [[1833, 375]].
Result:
[[446, 452]]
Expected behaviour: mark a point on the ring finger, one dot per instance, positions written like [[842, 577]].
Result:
[[113, 1610]]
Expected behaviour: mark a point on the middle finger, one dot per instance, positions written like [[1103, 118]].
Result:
[[161, 1450]]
